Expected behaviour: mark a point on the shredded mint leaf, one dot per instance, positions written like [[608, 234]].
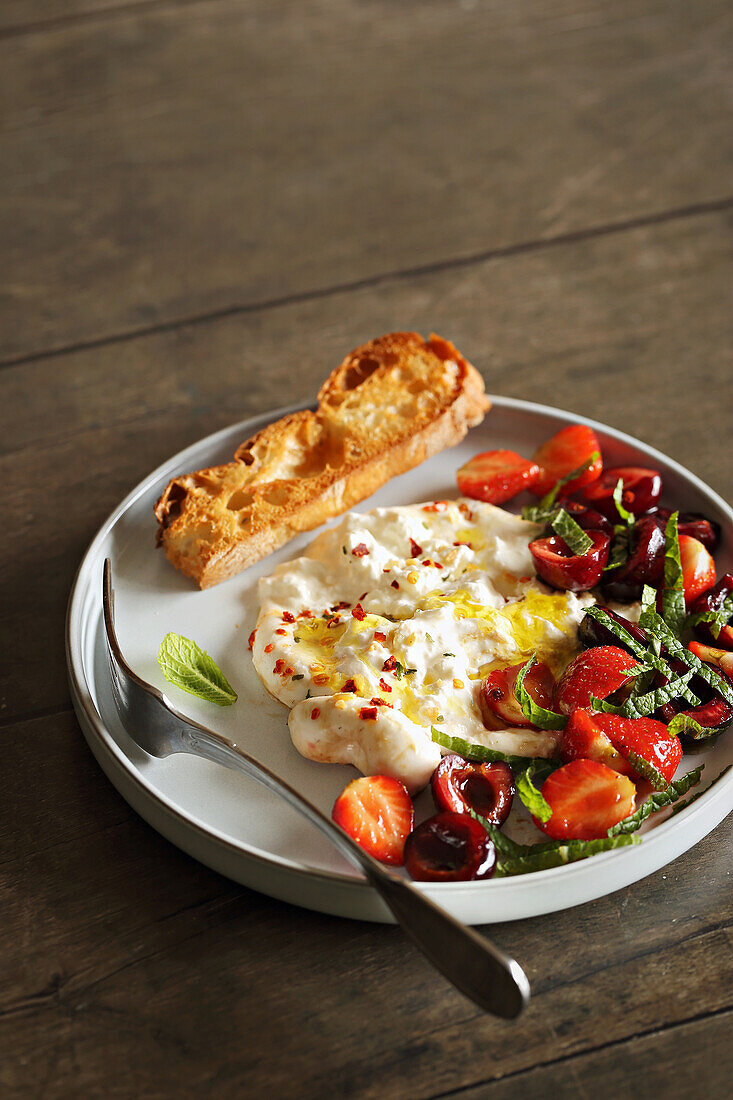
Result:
[[640, 706], [717, 619], [657, 801], [530, 796], [677, 649], [620, 548], [642, 766], [569, 851], [683, 805], [186, 665], [571, 533], [673, 593], [480, 754], [686, 724], [535, 513], [618, 500], [645, 654], [648, 602], [538, 716], [549, 498]]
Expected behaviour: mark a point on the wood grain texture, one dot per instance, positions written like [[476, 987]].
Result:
[[616, 327], [132, 970], [169, 161]]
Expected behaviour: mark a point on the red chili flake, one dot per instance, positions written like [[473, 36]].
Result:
[[379, 637], [306, 614], [341, 605], [368, 714], [288, 618], [415, 549], [252, 638], [359, 613], [315, 713], [436, 506], [279, 665], [437, 565], [288, 671], [465, 510], [427, 562], [390, 664], [362, 597], [269, 647], [384, 685], [333, 622], [361, 550], [377, 702], [461, 543], [395, 584], [350, 685], [280, 630]]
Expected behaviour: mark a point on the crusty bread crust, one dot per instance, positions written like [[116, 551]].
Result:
[[390, 405]]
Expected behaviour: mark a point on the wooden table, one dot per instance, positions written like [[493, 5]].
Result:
[[203, 206]]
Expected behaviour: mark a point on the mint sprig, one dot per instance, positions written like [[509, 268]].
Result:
[[690, 727], [618, 499], [190, 668], [537, 715], [563, 852]]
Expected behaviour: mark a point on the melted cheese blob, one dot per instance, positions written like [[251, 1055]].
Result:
[[387, 624]]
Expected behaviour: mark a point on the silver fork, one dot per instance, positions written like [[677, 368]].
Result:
[[474, 965]]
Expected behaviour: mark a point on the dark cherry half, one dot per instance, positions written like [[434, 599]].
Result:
[[642, 489], [713, 601], [559, 567], [644, 566], [498, 704], [460, 786], [694, 524], [449, 847]]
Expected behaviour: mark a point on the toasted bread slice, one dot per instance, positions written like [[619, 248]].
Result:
[[391, 404]]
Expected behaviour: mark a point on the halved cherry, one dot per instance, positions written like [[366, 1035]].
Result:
[[587, 518], [449, 847], [460, 786], [641, 490], [498, 704], [592, 633], [377, 812], [698, 568], [598, 672], [583, 739], [713, 600], [496, 476], [694, 524], [563, 453], [559, 567], [645, 564], [587, 798]]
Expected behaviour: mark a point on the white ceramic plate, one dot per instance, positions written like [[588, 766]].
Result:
[[229, 822]]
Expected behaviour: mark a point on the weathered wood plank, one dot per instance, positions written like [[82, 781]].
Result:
[[124, 961], [633, 328], [171, 161], [679, 1061], [20, 17]]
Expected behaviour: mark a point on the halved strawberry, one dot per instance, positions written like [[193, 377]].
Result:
[[583, 739], [498, 703], [496, 476], [586, 798], [641, 740], [563, 453], [598, 671], [377, 812], [698, 568]]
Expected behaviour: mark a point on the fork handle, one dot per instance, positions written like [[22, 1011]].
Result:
[[490, 978]]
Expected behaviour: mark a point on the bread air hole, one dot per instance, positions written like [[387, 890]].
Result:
[[358, 372], [242, 498]]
